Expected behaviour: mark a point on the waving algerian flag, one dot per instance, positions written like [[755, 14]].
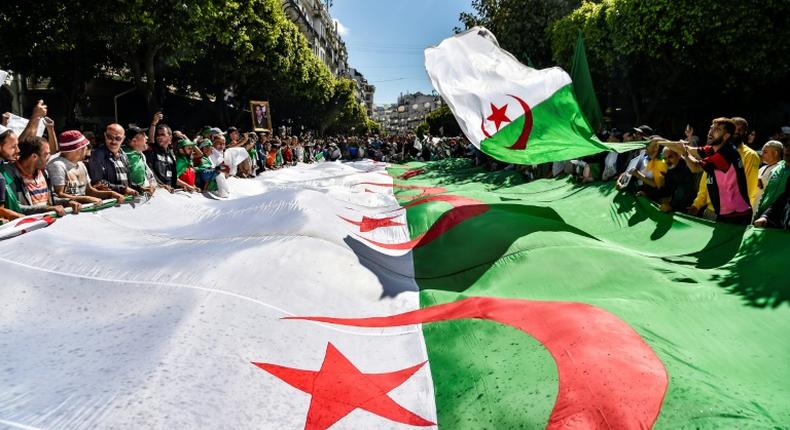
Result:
[[510, 111], [366, 296]]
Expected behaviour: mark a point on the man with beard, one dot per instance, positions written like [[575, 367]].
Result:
[[726, 182], [161, 159], [31, 182], [9, 153], [750, 157]]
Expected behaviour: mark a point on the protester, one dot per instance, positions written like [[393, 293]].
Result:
[[9, 153], [69, 176], [210, 177], [160, 157], [185, 172], [726, 180], [31, 183], [777, 213], [776, 183], [771, 156], [140, 175], [109, 166], [679, 188], [749, 157]]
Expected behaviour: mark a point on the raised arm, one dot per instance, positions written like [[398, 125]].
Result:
[[39, 112]]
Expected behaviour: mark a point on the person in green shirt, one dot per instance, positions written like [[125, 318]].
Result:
[[140, 175], [185, 172]]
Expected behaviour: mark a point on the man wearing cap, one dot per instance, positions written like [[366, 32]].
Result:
[[161, 159], [205, 171], [185, 171], [69, 176], [109, 166], [140, 175]]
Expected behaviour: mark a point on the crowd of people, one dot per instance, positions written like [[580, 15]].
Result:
[[723, 179], [731, 177]]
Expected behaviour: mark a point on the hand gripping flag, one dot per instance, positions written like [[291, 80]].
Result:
[[511, 112]]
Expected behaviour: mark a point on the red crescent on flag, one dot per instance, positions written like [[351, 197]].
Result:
[[609, 378], [521, 142], [483, 126], [447, 221]]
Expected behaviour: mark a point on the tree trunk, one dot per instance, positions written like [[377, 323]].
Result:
[[143, 67]]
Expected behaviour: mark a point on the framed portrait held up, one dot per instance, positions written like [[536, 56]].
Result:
[[261, 116]]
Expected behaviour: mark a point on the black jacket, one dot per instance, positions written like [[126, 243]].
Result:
[[163, 164], [102, 169], [680, 187]]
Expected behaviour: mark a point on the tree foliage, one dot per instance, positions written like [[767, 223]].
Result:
[[442, 121], [679, 60], [520, 25], [247, 48]]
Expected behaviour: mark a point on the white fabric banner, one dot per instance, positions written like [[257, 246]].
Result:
[[151, 317]]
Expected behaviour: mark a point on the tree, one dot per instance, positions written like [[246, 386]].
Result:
[[677, 61], [147, 40], [520, 26], [344, 113], [256, 52], [442, 121], [213, 47], [422, 129], [49, 39]]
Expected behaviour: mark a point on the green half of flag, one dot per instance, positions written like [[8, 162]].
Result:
[[554, 130], [583, 85], [710, 300]]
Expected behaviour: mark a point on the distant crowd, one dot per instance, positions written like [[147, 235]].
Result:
[[728, 178]]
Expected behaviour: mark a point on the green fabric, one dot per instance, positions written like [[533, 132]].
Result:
[[205, 164], [711, 300], [136, 166], [11, 202], [559, 132], [583, 85], [775, 187], [183, 162]]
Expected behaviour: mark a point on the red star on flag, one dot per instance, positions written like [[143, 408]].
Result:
[[370, 224], [339, 387], [498, 115]]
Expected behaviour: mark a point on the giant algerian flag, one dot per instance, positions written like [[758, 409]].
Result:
[[510, 111], [366, 296]]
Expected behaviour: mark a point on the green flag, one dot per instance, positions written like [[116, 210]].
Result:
[[509, 111], [550, 305], [583, 85]]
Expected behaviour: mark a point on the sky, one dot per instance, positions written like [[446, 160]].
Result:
[[386, 38]]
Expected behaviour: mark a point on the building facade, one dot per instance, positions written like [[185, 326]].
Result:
[[364, 91], [405, 115], [313, 19], [315, 22]]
